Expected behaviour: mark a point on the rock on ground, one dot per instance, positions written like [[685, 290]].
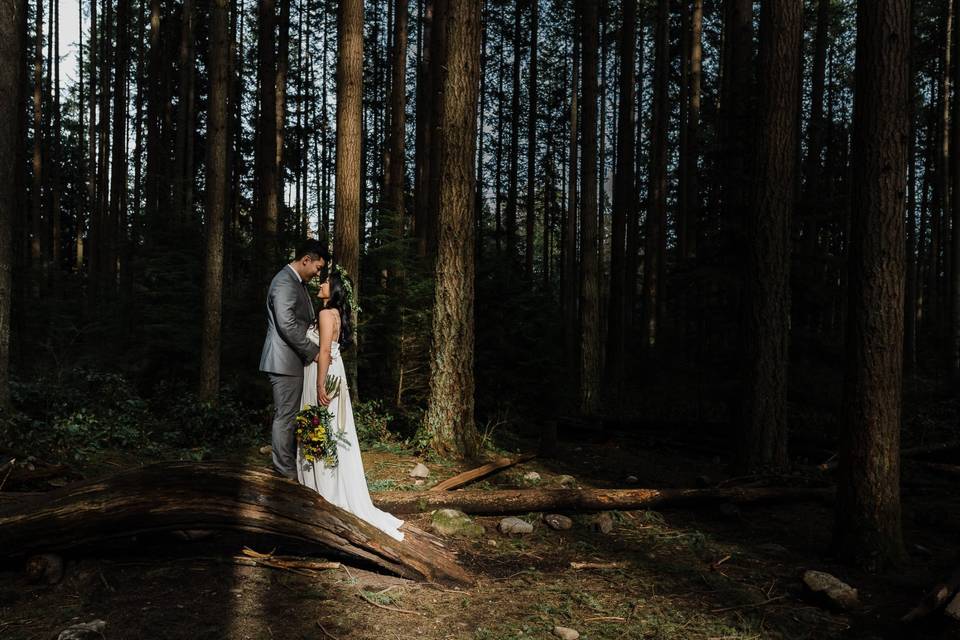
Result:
[[450, 522], [86, 631], [420, 471], [566, 633], [557, 522], [839, 593], [514, 525]]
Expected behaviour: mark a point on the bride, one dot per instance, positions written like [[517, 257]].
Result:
[[345, 484]]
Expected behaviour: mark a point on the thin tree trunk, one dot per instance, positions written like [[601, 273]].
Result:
[[280, 95], [590, 269], [82, 205], [657, 191], [424, 127], [955, 202], [514, 160], [868, 528], [816, 130], [36, 195], [692, 159], [450, 410], [569, 267], [12, 13], [767, 281], [217, 201], [154, 175], [532, 141], [118, 180], [266, 207], [184, 106], [398, 119], [55, 158], [623, 199]]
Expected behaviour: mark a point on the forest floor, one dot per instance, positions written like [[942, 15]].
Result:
[[705, 572]]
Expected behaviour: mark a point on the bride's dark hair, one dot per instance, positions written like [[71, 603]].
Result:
[[339, 285]]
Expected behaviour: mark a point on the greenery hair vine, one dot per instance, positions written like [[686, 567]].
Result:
[[347, 288]]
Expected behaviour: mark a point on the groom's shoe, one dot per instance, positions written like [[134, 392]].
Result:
[[276, 472]]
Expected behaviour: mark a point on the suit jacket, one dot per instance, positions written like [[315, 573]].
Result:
[[287, 349]]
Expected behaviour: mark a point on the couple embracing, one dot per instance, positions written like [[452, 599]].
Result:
[[301, 351]]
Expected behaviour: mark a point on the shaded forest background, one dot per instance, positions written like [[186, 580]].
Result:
[[659, 201]]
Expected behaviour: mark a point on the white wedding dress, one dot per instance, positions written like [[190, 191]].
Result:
[[344, 485]]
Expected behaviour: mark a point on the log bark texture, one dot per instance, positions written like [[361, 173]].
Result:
[[182, 495], [524, 500]]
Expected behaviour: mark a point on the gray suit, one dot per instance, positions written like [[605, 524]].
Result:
[[286, 351]]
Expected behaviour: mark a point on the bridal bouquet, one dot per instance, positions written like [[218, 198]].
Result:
[[315, 430]]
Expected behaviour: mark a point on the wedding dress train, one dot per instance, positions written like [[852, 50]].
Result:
[[344, 485]]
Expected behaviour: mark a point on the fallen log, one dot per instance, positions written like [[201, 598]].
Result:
[[526, 500], [473, 475], [209, 495], [937, 597]]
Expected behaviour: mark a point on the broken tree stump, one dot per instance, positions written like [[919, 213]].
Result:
[[525, 500], [473, 475], [210, 495]]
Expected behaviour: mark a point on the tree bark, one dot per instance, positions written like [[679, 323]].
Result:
[[691, 189], [398, 117], [36, 195], [11, 15], [590, 269], [266, 207], [868, 499], [767, 273], [568, 276], [955, 202], [623, 200], [514, 161], [655, 252], [217, 200], [154, 175], [118, 179], [485, 502], [734, 125], [181, 495], [346, 237], [532, 142], [450, 410]]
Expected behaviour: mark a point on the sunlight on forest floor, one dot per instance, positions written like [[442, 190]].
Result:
[[704, 573]]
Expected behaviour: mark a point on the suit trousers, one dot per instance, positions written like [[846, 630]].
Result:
[[287, 391]]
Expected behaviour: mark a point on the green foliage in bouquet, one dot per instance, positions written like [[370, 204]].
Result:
[[315, 430]]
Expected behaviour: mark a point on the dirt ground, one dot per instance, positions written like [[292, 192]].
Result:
[[707, 572]]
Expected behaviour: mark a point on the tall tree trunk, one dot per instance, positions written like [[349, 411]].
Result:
[[184, 131], [12, 13], [217, 201], [101, 214], [632, 260], [55, 158], [346, 237], [590, 269], [691, 190], [734, 130], [657, 191], [868, 489], [118, 180], [450, 410], [514, 160], [398, 117], [623, 199], [154, 170], [816, 130], [266, 208], [532, 141], [955, 202], [910, 306], [424, 127], [568, 276], [438, 46], [280, 96], [36, 195], [767, 281], [82, 203]]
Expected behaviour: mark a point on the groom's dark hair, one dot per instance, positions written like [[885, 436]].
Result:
[[313, 248]]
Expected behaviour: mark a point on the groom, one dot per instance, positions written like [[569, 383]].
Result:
[[287, 349]]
